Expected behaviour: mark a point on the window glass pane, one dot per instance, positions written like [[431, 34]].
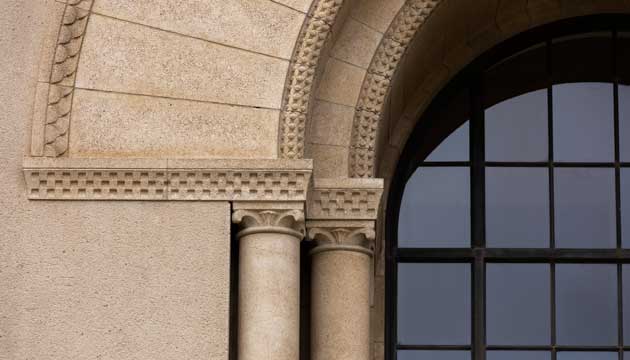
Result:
[[625, 208], [435, 209], [586, 304], [454, 147], [583, 122], [585, 208], [516, 129], [518, 355], [583, 355], [624, 123], [518, 304], [626, 304], [433, 355], [517, 207], [434, 304]]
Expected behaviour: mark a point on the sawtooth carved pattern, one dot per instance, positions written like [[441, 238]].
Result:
[[167, 184], [376, 84], [302, 71], [63, 74]]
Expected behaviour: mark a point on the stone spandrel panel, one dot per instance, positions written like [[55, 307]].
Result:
[[262, 26], [120, 125], [124, 57]]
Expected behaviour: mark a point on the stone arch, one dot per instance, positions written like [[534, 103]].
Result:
[[441, 44], [421, 47]]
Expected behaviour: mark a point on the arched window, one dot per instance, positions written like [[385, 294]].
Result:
[[510, 211]]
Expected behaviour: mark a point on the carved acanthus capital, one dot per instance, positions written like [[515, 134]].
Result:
[[269, 220], [342, 235]]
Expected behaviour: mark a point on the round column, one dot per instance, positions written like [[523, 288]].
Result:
[[340, 293], [269, 284]]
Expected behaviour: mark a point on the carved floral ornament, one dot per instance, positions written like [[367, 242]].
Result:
[[342, 235], [255, 221]]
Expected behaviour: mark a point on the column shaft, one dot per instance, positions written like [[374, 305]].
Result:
[[269, 283], [340, 305]]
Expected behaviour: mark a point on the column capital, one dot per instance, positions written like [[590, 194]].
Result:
[[269, 217], [347, 235]]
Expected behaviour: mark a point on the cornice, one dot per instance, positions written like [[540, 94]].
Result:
[[344, 199], [169, 179]]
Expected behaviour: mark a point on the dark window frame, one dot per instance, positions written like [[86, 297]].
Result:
[[478, 255]]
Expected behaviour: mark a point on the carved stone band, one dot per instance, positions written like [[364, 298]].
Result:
[[357, 236], [289, 222]]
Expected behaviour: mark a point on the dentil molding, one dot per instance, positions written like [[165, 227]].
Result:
[[170, 179], [344, 199]]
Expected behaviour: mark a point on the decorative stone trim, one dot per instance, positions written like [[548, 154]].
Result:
[[139, 179], [346, 199], [256, 221], [376, 85], [63, 76], [342, 235], [313, 38]]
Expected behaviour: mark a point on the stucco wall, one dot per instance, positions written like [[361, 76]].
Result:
[[98, 280]]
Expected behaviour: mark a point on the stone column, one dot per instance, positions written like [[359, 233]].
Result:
[[269, 281], [341, 279]]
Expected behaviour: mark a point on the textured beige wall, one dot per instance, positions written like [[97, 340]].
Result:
[[183, 73], [98, 280]]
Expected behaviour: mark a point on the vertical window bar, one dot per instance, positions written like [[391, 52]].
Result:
[[550, 167], [477, 171], [479, 306], [477, 183], [618, 192]]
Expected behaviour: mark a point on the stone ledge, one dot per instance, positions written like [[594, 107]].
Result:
[[345, 199], [168, 179]]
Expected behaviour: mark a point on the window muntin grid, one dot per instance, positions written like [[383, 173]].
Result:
[[483, 250]]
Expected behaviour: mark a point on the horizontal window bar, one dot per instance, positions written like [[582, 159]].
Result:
[[514, 255], [524, 164], [434, 347]]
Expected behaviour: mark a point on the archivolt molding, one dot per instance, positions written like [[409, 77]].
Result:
[[302, 72], [376, 85], [63, 74]]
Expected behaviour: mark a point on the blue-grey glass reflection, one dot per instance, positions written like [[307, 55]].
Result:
[[434, 304], [585, 208], [626, 303], [586, 304], [625, 208], [435, 208], [518, 304], [518, 355], [516, 129], [517, 207], [454, 147], [433, 355], [624, 123], [583, 122], [583, 355]]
